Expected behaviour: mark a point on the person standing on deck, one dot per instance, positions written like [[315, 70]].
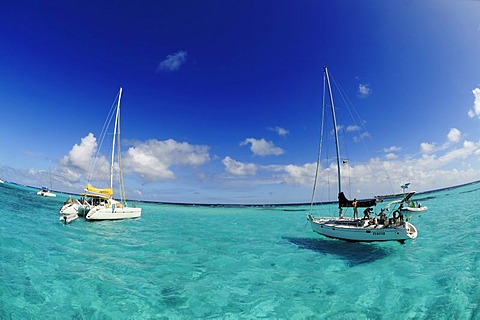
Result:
[[355, 209]]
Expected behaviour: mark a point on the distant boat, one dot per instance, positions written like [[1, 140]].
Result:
[[98, 203], [407, 206], [45, 192], [355, 229], [2, 181]]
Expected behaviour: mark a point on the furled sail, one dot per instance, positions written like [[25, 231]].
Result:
[[106, 192], [344, 202]]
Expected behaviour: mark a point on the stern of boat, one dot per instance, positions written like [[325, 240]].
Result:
[[411, 230]]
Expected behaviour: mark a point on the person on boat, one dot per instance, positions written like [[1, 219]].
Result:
[[355, 209], [383, 216], [395, 216], [366, 213]]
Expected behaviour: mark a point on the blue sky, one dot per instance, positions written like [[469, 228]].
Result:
[[222, 99]]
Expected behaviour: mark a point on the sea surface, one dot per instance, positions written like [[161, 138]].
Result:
[[196, 262]]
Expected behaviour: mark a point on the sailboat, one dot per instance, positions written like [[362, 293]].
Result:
[[354, 229], [45, 191], [98, 203]]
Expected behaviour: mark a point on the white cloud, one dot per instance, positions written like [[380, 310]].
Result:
[[81, 161], [152, 159], [300, 175], [173, 61], [353, 128], [262, 147], [238, 168], [80, 156], [426, 147], [475, 111], [279, 130], [392, 149], [364, 90], [376, 176], [391, 156], [454, 135], [361, 137]]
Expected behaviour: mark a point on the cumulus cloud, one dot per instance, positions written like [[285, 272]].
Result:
[[364, 90], [392, 149], [173, 61], [427, 172], [426, 147], [152, 159], [81, 160], [238, 168], [454, 135], [475, 111], [279, 130], [262, 147], [80, 156], [300, 175]]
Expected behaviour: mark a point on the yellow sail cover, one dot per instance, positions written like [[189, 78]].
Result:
[[107, 192]]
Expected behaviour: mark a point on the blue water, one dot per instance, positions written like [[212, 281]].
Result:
[[179, 262]]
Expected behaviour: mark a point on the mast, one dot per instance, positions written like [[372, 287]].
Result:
[[334, 129], [117, 115]]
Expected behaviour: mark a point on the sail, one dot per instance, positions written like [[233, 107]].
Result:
[[344, 202], [106, 192]]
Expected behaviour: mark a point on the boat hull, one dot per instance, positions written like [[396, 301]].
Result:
[[46, 194], [409, 212], [67, 218], [362, 232], [104, 213], [69, 208]]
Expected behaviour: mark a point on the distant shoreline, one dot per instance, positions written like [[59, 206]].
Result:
[[259, 205]]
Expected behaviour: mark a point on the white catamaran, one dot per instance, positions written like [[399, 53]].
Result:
[[355, 229], [98, 203]]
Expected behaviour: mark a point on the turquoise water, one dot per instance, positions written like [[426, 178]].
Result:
[[179, 262]]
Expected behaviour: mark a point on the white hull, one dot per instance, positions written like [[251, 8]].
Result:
[[362, 230], [67, 218], [106, 213], [409, 212], [69, 208], [46, 194]]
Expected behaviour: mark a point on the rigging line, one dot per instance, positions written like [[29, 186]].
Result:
[[358, 121], [320, 144], [343, 131], [101, 138]]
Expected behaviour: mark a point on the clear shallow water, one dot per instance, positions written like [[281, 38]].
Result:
[[179, 262]]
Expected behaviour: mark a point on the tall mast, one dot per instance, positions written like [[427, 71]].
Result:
[[334, 128], [114, 136]]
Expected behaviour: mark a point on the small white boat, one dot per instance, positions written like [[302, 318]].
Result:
[[70, 206], [67, 218], [45, 192], [354, 229], [407, 207]]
